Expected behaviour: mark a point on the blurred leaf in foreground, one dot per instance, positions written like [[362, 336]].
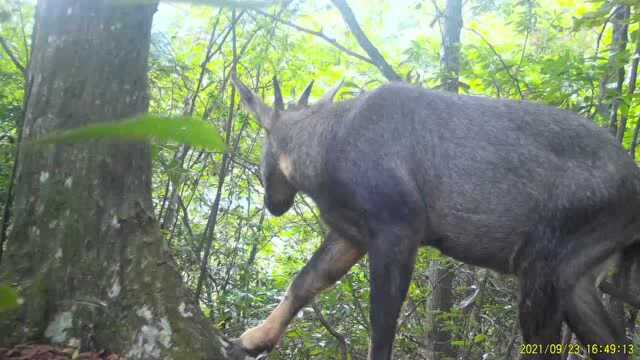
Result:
[[8, 298], [184, 130]]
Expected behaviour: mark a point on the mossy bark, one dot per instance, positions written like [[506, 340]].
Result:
[[84, 250]]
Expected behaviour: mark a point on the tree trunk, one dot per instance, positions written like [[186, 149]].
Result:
[[84, 250], [633, 77], [619, 45], [451, 45], [614, 76], [439, 340]]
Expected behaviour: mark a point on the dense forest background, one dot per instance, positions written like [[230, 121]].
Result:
[[580, 55]]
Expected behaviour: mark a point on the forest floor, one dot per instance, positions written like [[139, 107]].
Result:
[[48, 352]]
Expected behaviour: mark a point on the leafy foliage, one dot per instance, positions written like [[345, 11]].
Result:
[[223, 3], [547, 51]]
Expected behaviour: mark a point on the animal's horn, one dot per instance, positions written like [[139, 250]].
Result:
[[279, 103], [304, 99], [328, 97]]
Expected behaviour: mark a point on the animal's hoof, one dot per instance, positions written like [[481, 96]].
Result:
[[260, 339], [258, 353]]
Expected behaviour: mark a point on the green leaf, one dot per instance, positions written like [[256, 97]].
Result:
[[221, 3], [8, 298], [458, 343], [184, 130], [480, 338]]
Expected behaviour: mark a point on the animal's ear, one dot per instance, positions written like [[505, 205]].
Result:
[[262, 112], [328, 97], [304, 99]]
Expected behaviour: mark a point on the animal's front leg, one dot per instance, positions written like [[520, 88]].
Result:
[[392, 253], [328, 264]]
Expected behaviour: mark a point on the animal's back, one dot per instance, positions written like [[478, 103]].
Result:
[[481, 166]]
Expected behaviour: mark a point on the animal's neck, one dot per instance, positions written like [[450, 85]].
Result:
[[302, 148]]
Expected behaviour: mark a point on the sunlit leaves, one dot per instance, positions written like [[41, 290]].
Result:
[[222, 3]]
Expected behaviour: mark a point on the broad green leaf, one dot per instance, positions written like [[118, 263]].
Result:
[[184, 130], [8, 298]]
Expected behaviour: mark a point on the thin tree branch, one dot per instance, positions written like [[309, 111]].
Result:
[[598, 106], [436, 18], [224, 168], [12, 56], [526, 36], [185, 217], [601, 33], [168, 220], [372, 51], [23, 32], [515, 80], [341, 339], [227, 157], [319, 34], [205, 62]]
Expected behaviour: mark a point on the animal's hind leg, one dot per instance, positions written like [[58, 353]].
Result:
[[591, 257], [590, 321], [540, 314], [328, 264]]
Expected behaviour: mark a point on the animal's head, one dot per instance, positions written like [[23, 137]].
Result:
[[279, 190]]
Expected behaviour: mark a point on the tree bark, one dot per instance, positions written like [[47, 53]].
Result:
[[451, 45], [619, 44], [633, 76], [439, 340], [615, 70], [634, 140], [84, 250]]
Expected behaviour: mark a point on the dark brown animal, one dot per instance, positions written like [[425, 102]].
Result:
[[516, 187]]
